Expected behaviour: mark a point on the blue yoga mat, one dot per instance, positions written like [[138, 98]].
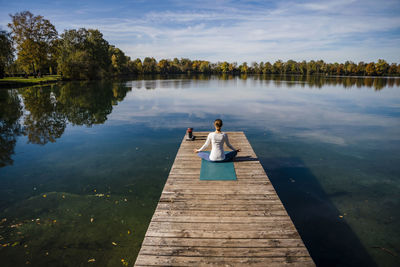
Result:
[[217, 170]]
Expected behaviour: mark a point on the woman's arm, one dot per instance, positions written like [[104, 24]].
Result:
[[229, 144], [206, 144]]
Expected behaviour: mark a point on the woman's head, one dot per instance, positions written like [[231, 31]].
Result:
[[218, 124]]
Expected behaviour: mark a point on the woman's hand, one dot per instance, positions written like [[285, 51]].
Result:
[[195, 150]]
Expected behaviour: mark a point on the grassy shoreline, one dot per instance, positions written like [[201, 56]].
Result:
[[20, 81]]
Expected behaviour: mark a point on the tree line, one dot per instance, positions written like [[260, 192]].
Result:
[[83, 54]]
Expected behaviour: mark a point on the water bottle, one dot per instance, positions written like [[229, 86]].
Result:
[[190, 133]]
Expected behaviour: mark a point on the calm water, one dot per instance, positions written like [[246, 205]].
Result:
[[83, 164]]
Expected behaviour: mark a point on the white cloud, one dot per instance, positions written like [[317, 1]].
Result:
[[225, 30]]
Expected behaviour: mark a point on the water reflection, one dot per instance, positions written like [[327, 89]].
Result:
[[10, 128], [312, 81], [330, 146], [48, 110], [45, 121]]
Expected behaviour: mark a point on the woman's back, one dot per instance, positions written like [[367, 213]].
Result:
[[217, 140]]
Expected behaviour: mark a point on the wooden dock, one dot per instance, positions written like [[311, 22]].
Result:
[[227, 223]]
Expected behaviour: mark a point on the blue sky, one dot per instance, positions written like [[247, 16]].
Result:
[[334, 31]]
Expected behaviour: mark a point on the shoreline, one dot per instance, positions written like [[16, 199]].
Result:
[[17, 82]]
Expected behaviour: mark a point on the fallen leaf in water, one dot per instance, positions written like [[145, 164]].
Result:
[[94, 191], [125, 200], [340, 216], [54, 221], [129, 232], [91, 220], [99, 195], [16, 225], [91, 260], [44, 195], [14, 244], [114, 243], [47, 253], [63, 196]]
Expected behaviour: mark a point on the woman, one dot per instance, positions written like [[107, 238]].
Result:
[[217, 140]]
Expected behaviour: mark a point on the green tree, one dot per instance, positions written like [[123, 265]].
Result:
[[185, 65], [370, 69], [149, 65], [119, 61], [277, 68], [135, 66], [163, 65], [35, 38], [392, 69], [267, 68], [6, 52], [381, 67], [224, 67], [244, 68], [361, 68], [84, 54], [204, 67]]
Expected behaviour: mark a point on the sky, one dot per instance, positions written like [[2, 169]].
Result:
[[234, 31]]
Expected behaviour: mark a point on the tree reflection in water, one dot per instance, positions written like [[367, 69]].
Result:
[[45, 121], [48, 109], [79, 103], [10, 127]]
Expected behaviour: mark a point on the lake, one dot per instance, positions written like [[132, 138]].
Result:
[[82, 164]]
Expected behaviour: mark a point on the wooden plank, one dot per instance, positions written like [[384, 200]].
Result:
[[223, 252], [221, 226], [223, 242], [226, 213], [279, 234], [153, 260], [221, 223]]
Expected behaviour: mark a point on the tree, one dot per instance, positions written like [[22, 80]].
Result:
[[6, 52], [244, 68], [84, 54], [149, 65], [392, 69], [119, 61], [277, 67], [35, 38], [204, 67], [370, 69], [381, 67], [163, 65], [224, 67], [135, 66]]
